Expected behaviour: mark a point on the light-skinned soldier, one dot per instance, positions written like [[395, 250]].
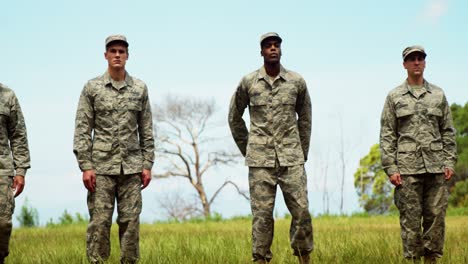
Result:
[[114, 146]]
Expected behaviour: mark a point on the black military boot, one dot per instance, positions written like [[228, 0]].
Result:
[[430, 260], [305, 259], [413, 260]]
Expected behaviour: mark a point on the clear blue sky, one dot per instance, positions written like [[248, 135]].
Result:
[[349, 52]]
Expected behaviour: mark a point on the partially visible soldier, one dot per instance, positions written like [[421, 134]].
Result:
[[114, 146], [14, 161], [276, 147], [417, 141]]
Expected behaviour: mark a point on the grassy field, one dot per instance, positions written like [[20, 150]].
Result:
[[337, 240]]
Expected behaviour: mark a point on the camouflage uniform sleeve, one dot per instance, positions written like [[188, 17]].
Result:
[[304, 120], [239, 101], [84, 125], [388, 138], [145, 132], [18, 138], [447, 131]]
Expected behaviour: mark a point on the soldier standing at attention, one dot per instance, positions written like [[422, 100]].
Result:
[[275, 148], [114, 146], [417, 141], [14, 161]]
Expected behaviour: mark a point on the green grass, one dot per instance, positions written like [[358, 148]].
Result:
[[374, 239]]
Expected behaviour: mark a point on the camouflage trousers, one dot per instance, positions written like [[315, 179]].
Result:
[[293, 183], [425, 197], [7, 205], [126, 189]]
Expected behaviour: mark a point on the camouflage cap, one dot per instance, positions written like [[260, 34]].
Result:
[[113, 38], [408, 50], [270, 35]]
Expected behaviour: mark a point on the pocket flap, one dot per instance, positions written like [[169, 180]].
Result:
[[258, 140], [407, 147], [434, 112], [437, 146], [401, 112], [134, 106], [258, 100], [134, 146], [4, 111], [102, 146], [288, 100], [290, 140], [104, 105]]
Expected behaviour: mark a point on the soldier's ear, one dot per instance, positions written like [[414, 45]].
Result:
[[261, 53]]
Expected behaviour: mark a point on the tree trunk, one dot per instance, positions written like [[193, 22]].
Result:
[[204, 200]]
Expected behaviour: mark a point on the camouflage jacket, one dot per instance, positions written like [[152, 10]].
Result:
[[417, 134], [114, 127], [12, 134], [275, 131]]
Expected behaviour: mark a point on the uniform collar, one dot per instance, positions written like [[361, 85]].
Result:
[[407, 89], [108, 80], [282, 74]]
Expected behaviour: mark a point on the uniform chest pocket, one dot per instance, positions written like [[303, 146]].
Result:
[[289, 100], [407, 147], [104, 105], [404, 112], [134, 105], [258, 101], [4, 114], [4, 111], [435, 112]]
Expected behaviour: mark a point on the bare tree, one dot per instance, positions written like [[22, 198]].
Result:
[[321, 184], [343, 167], [184, 133], [344, 153], [326, 196], [177, 208]]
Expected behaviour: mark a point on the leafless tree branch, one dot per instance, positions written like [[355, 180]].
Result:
[[242, 193], [179, 209], [182, 124]]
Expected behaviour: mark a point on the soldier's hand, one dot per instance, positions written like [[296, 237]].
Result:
[[448, 173], [18, 184], [145, 178], [395, 179], [89, 180]]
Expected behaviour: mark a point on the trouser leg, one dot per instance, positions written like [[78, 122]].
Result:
[[293, 183], [408, 199], [7, 206], [434, 208], [262, 185], [129, 204], [100, 206]]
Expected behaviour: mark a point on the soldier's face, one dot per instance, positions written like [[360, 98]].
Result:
[[116, 55], [271, 50], [415, 64]]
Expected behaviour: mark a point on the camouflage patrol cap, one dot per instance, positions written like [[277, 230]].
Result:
[[416, 48], [270, 35], [112, 38]]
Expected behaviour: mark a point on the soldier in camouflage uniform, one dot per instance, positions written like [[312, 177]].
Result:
[[275, 148], [417, 141], [114, 146], [14, 161]]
